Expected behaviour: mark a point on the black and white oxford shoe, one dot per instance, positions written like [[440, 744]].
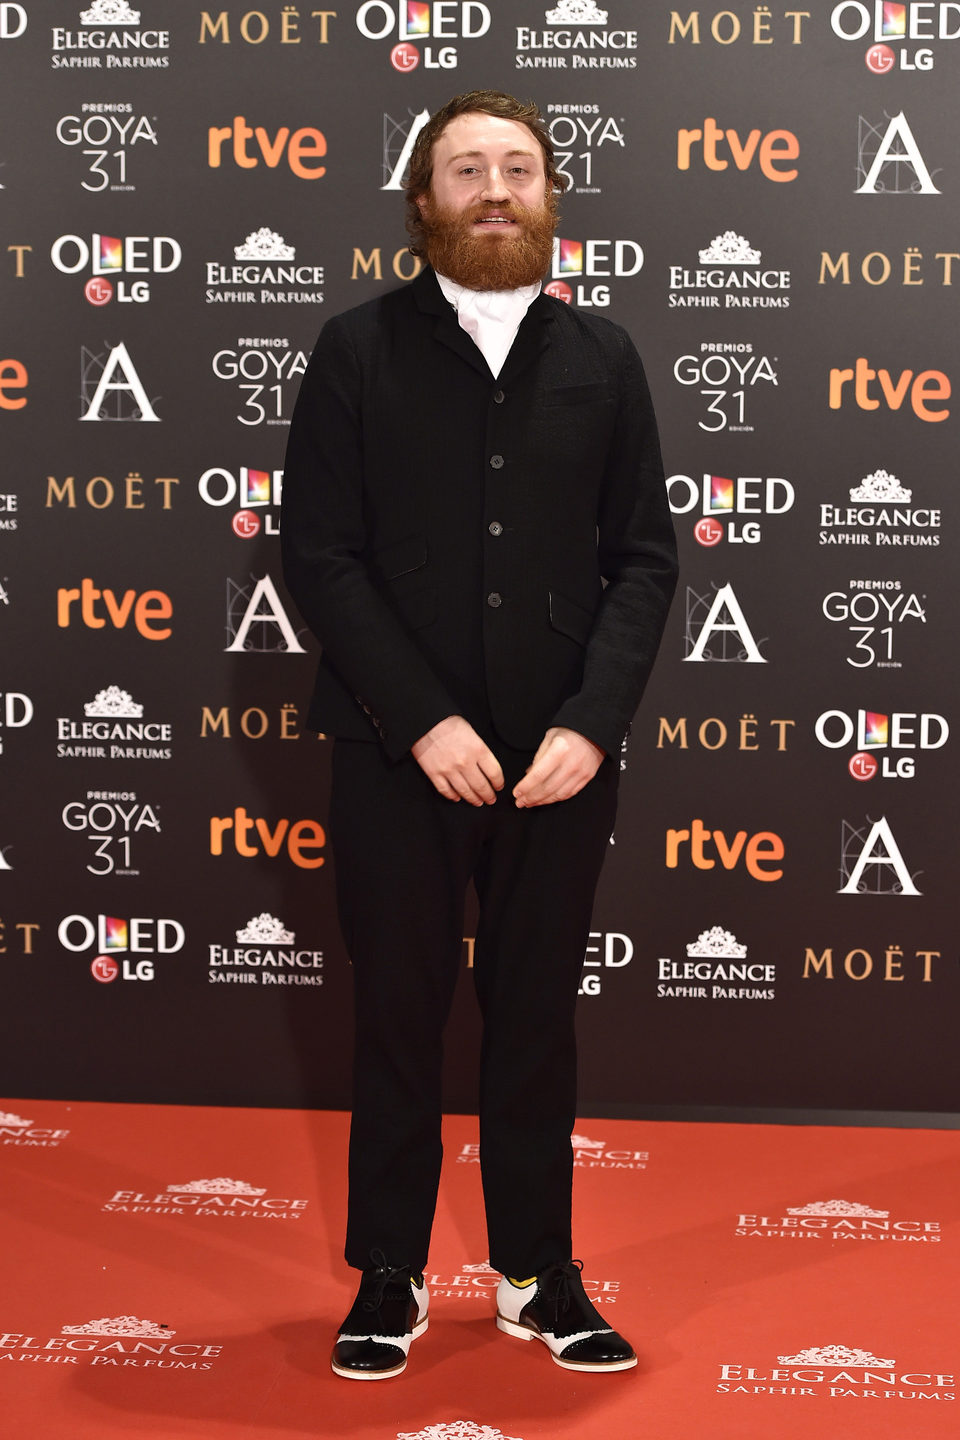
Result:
[[390, 1311], [555, 1308]]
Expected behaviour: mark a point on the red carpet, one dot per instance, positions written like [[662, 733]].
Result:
[[177, 1272]]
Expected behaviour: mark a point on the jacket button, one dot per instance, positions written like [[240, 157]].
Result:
[[495, 527], [499, 398], [496, 462], [494, 600]]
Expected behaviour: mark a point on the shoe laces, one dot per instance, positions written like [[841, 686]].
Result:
[[384, 1275], [559, 1282]]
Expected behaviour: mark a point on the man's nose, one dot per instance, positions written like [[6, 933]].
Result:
[[494, 186]]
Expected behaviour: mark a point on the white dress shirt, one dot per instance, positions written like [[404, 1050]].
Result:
[[490, 317]]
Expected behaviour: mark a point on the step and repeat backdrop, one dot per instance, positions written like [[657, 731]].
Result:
[[766, 197]]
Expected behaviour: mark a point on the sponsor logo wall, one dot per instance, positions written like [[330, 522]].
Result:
[[191, 193]]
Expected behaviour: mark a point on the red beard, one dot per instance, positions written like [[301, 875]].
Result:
[[483, 261]]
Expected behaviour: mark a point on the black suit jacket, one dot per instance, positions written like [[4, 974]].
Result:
[[460, 544]]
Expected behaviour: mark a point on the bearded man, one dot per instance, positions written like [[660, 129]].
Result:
[[476, 529]]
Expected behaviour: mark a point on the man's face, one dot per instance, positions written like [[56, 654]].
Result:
[[488, 220]]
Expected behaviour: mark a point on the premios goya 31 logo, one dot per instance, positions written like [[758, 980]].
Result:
[[728, 374], [877, 615], [112, 821], [107, 133], [266, 372]]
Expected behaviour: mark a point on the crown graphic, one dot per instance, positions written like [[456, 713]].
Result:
[[484, 1268], [717, 944], [220, 1186], [456, 1430], [110, 12], [577, 12], [264, 244], [880, 487], [10, 1119], [580, 1142], [113, 702], [121, 1325], [839, 1207], [729, 249], [835, 1355], [263, 929]]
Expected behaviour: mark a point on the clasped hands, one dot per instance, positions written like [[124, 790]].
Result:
[[461, 766]]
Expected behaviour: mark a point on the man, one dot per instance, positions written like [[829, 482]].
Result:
[[476, 529]]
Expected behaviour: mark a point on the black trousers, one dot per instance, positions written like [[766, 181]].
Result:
[[404, 859]]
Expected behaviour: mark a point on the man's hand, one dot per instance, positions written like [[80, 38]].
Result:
[[564, 763], [457, 761]]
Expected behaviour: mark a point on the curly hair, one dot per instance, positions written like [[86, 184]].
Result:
[[485, 102]]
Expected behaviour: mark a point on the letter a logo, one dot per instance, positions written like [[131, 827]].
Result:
[[118, 362], [726, 619], [888, 875], [264, 591], [892, 181], [395, 181]]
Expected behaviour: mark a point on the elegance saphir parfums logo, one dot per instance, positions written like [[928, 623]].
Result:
[[220, 1198], [833, 1221], [837, 1372]]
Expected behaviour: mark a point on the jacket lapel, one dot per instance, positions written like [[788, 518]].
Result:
[[532, 335]]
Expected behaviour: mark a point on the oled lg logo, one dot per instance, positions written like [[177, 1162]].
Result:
[[112, 256], [115, 936], [581, 259], [13, 21], [878, 736], [254, 491], [896, 25], [414, 22], [723, 499]]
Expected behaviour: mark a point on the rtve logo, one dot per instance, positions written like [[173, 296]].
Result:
[[149, 610], [774, 150], [922, 387], [252, 837], [13, 376], [760, 852], [304, 148]]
